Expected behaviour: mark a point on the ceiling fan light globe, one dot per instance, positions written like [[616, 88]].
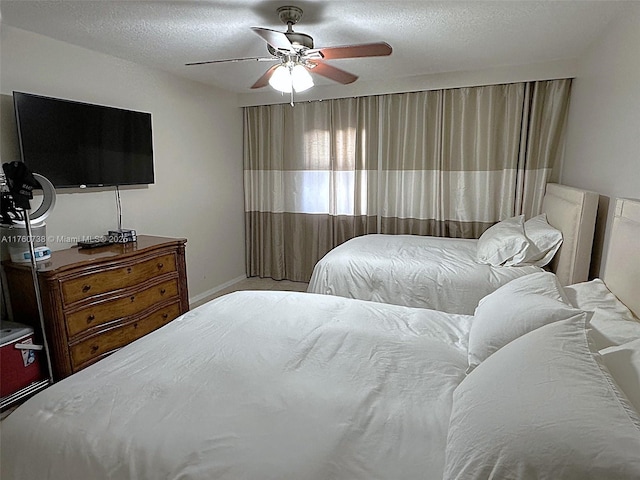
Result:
[[281, 79], [301, 78]]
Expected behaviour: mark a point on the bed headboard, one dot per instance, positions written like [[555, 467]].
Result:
[[622, 270], [573, 212]]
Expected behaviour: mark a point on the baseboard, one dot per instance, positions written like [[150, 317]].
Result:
[[204, 296]]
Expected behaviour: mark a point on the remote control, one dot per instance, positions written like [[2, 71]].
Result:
[[94, 243]]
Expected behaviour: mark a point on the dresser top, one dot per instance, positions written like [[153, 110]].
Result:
[[75, 256]]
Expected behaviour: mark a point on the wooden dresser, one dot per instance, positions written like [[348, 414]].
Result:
[[98, 300]]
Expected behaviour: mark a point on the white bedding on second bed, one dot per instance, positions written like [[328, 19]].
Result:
[[417, 271], [268, 385]]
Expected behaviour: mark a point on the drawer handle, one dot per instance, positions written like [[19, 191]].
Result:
[[165, 316], [128, 269], [90, 318], [86, 288], [95, 348], [160, 266], [132, 298], [135, 325], [163, 291]]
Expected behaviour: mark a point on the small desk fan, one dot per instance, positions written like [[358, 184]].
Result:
[[18, 225]]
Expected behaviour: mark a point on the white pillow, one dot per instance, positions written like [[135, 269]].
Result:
[[543, 407], [516, 308], [612, 322], [545, 241], [623, 362], [503, 244]]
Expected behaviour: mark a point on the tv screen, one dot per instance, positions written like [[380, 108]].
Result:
[[76, 144]]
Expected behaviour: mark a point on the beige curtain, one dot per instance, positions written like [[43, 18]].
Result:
[[542, 142], [451, 171], [307, 183], [445, 162]]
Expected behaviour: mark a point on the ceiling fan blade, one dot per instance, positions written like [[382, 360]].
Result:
[[277, 40], [356, 51], [263, 81], [333, 73], [234, 60]]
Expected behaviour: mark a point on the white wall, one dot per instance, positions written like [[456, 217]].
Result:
[[603, 136], [197, 147]]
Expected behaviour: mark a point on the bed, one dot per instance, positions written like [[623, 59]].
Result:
[[288, 385], [444, 273]]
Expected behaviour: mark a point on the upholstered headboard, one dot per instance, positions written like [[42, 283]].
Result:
[[622, 268], [573, 212]]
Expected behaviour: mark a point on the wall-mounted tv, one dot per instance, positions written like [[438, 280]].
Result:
[[80, 145]]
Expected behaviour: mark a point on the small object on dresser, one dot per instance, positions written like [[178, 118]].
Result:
[[122, 235], [41, 253], [95, 243]]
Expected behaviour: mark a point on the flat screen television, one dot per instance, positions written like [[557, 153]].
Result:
[[80, 145]]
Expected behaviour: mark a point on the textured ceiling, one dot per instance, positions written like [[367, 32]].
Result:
[[427, 37]]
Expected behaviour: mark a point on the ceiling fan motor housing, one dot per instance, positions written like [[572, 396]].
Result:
[[289, 14]]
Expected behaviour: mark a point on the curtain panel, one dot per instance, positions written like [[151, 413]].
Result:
[[307, 182], [443, 162]]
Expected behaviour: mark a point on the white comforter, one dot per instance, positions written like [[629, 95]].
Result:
[[411, 270], [254, 385]]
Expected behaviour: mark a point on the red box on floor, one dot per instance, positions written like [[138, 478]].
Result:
[[19, 365]]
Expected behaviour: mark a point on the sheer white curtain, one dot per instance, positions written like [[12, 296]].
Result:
[[444, 162]]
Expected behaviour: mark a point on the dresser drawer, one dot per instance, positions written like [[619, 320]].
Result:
[[85, 286], [94, 348], [124, 306]]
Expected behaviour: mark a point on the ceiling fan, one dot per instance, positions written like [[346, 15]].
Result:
[[296, 56]]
